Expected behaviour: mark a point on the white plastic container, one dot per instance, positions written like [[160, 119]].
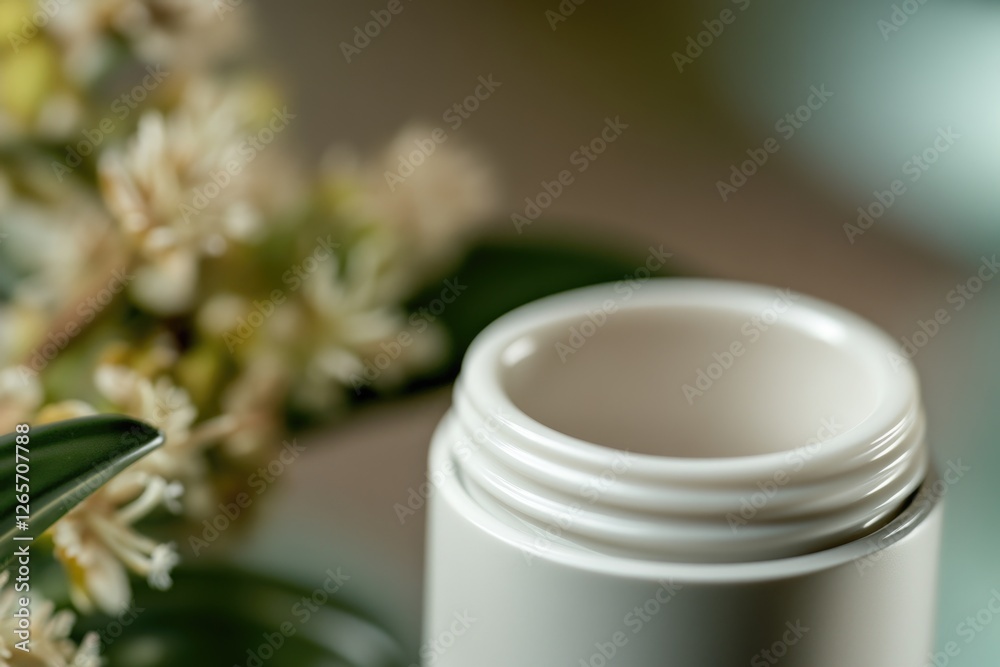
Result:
[[682, 472]]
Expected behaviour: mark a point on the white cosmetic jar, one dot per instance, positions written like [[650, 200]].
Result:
[[681, 472]]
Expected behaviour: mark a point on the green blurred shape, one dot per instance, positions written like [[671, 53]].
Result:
[[223, 616], [502, 275], [56, 466]]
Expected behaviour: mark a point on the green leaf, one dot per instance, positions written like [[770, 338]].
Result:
[[218, 615], [62, 464], [502, 275]]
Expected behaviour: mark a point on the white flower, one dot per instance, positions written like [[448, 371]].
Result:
[[54, 260], [20, 396], [419, 224], [97, 540], [353, 326], [402, 231], [159, 403], [181, 33], [164, 191], [254, 400], [55, 412], [50, 629], [168, 408]]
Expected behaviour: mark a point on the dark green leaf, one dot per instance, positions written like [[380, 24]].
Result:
[[223, 616], [62, 464], [503, 275]]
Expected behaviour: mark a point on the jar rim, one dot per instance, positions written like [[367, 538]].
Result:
[[676, 507]]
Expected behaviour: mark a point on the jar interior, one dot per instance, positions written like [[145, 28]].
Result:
[[690, 382]]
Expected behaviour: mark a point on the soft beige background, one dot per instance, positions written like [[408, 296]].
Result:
[[653, 186]]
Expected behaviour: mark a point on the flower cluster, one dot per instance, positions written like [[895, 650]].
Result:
[[164, 255], [50, 643]]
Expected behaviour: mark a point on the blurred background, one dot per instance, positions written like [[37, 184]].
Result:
[[850, 151], [892, 88]]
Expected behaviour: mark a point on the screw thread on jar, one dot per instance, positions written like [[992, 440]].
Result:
[[693, 421]]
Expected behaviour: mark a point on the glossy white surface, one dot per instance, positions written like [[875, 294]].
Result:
[[556, 542], [809, 432]]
